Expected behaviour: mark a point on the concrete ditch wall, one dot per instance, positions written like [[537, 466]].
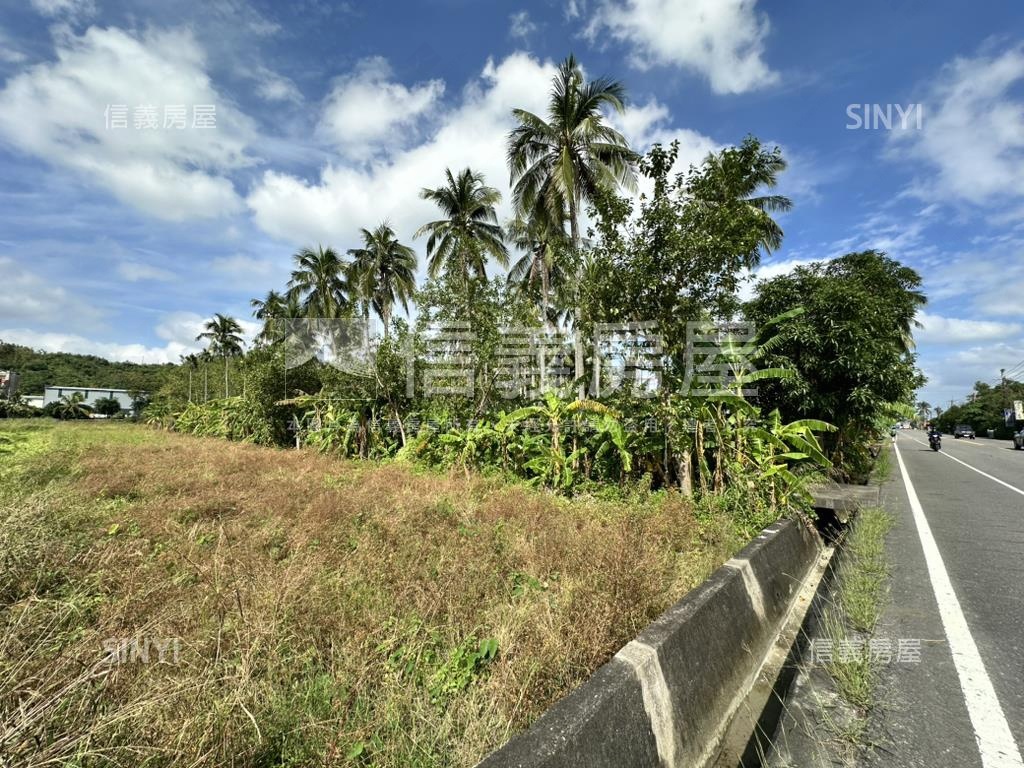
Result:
[[667, 697]]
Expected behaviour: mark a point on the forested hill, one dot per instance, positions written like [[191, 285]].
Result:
[[40, 369]]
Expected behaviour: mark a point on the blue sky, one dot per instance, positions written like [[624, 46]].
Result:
[[332, 116]]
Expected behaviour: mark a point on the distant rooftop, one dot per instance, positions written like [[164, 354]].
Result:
[[98, 389]]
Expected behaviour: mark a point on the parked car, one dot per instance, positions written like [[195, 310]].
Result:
[[1018, 439], [963, 430]]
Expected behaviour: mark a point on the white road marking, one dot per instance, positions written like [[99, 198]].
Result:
[[1013, 488], [995, 741]]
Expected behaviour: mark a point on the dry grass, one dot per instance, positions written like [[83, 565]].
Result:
[[326, 612]]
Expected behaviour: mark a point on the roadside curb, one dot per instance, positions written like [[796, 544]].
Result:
[[671, 696]]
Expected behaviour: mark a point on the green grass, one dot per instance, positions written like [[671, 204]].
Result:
[[882, 469], [864, 581], [861, 594], [328, 612]]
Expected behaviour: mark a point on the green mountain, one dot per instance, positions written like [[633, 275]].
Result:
[[41, 369]]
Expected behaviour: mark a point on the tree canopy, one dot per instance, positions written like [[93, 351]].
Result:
[[38, 369], [851, 349]]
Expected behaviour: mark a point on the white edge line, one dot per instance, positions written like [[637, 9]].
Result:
[[991, 731], [975, 469]]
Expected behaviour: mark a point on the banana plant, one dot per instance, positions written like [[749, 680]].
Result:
[[774, 447], [553, 468], [159, 415], [554, 410], [613, 443], [470, 447], [552, 465]]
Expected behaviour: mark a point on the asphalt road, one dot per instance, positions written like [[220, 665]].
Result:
[[957, 586]]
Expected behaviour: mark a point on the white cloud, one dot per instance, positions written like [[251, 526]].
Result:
[[952, 376], [471, 133], [972, 132], [80, 345], [180, 329], [938, 329], [177, 329], [73, 9], [986, 280], [56, 111], [135, 272], [722, 40], [648, 124], [272, 86], [27, 297], [367, 111], [520, 25], [251, 272], [345, 198], [9, 54]]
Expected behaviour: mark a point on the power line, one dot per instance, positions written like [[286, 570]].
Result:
[[1018, 368]]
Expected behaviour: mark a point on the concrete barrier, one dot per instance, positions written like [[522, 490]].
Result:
[[668, 697]]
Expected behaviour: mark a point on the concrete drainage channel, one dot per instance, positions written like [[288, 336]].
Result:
[[702, 684]]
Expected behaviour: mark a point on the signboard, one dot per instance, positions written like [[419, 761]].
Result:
[[1008, 416], [1018, 410], [8, 383]]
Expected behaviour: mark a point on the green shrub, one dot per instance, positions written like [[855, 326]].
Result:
[[233, 418]]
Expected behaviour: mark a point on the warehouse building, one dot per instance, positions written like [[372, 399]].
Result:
[[91, 394]]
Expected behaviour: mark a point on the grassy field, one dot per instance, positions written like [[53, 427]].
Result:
[[167, 600]]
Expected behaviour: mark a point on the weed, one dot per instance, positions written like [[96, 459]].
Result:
[[389, 616], [862, 586]]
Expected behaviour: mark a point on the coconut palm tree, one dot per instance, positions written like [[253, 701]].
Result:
[[469, 233], [266, 309], [540, 266], [272, 309], [224, 335], [319, 281], [560, 163], [204, 359], [191, 363], [383, 271], [739, 174]]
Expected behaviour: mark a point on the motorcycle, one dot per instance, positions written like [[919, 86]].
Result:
[[935, 441]]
